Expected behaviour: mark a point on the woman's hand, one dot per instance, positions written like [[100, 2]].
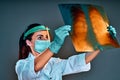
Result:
[[112, 31], [60, 35]]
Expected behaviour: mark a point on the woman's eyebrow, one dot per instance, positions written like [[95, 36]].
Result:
[[39, 35]]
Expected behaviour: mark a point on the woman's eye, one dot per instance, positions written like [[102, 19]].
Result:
[[46, 36], [39, 37], [42, 37]]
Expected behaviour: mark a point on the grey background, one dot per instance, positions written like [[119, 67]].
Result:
[[16, 15]]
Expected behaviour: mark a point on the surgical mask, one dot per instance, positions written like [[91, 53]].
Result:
[[41, 45]]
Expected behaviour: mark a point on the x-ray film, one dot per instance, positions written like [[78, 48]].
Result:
[[89, 27]]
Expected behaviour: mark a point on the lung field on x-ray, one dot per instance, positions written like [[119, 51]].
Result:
[[89, 27]]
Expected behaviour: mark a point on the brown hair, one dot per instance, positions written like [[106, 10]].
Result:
[[24, 49]]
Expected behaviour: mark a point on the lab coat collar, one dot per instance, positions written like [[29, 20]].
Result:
[[30, 56]]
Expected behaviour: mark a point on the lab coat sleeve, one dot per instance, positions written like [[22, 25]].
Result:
[[76, 64], [25, 70]]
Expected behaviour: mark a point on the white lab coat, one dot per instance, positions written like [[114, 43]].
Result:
[[53, 70]]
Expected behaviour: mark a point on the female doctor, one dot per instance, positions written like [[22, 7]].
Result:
[[36, 51]]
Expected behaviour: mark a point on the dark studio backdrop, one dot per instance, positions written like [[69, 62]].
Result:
[[16, 15]]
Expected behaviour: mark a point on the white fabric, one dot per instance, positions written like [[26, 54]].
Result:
[[53, 70]]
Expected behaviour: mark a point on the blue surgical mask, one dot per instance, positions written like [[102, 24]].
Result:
[[41, 45]]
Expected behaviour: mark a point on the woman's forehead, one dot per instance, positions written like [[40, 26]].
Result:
[[43, 32]]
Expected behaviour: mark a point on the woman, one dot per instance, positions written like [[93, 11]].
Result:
[[36, 51]]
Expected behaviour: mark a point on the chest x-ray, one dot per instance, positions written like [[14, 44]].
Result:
[[89, 27]]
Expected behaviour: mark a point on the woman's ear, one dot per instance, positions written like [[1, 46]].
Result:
[[28, 42]]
